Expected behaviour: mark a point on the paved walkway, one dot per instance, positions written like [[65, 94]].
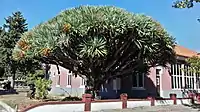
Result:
[[171, 108], [2, 109], [5, 108]]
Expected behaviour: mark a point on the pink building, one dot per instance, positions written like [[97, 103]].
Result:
[[159, 82], [65, 82]]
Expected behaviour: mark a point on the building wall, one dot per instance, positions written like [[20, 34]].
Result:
[[108, 90], [125, 85], [61, 82], [178, 80], [166, 79], [166, 88], [150, 82], [150, 85], [149, 88]]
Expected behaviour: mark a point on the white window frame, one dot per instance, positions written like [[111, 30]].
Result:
[[69, 75], [197, 84], [190, 80], [116, 84], [175, 84], [82, 82], [57, 81], [138, 88], [161, 72], [183, 75]]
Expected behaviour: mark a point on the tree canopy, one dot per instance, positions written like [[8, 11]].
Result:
[[11, 32], [15, 25], [99, 42], [185, 3], [194, 63]]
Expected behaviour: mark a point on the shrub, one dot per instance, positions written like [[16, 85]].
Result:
[[71, 98], [42, 86]]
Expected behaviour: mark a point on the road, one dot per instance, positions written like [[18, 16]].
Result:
[[171, 108]]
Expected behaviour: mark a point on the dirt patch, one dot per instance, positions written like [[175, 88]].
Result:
[[18, 99], [22, 101]]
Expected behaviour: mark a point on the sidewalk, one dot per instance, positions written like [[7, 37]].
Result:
[[170, 108]]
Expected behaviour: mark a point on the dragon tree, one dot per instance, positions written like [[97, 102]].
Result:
[[99, 43]]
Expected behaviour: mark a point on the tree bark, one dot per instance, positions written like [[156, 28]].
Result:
[[96, 89]]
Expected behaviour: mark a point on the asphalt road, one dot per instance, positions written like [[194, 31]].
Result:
[[171, 108]]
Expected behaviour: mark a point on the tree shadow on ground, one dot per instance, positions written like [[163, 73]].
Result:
[[8, 92], [161, 100], [186, 92], [194, 106]]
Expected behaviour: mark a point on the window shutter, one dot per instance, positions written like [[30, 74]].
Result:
[[118, 83], [114, 84]]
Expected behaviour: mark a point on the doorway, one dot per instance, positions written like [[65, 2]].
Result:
[[158, 86]]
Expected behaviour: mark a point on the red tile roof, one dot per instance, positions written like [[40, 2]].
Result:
[[182, 51]]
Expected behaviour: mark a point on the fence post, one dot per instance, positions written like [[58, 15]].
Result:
[[173, 97], [152, 100], [191, 96], [87, 98], [198, 97], [124, 98]]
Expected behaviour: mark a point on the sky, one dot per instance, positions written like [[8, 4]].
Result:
[[182, 24]]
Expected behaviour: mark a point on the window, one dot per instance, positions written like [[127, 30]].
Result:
[[197, 81], [158, 73], [58, 80], [117, 84], [138, 80], [82, 82], [69, 79], [176, 78], [182, 77], [189, 78]]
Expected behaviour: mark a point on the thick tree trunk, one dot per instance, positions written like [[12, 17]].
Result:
[[97, 96], [94, 83], [93, 89], [96, 89], [47, 67]]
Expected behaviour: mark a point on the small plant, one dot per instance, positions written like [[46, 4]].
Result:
[[7, 85], [42, 86], [31, 80], [33, 77], [62, 94], [70, 98]]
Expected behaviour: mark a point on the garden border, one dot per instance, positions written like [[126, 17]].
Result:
[[87, 101]]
